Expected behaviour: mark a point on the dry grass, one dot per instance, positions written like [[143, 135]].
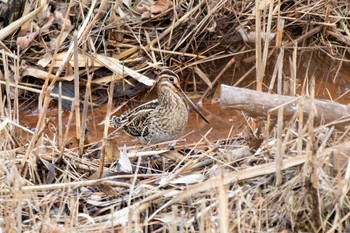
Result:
[[295, 180]]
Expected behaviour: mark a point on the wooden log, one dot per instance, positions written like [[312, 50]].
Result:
[[259, 104]]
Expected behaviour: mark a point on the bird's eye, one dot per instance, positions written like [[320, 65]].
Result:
[[171, 79]]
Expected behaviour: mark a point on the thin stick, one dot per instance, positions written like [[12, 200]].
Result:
[[2, 114], [222, 195], [279, 63], [76, 88], [7, 81], [35, 90], [17, 75], [279, 152], [280, 26], [178, 53], [60, 139], [258, 57], [267, 33], [244, 76], [65, 141], [71, 185], [228, 65], [85, 109], [105, 130]]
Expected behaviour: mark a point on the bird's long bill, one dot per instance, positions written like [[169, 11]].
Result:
[[192, 105]]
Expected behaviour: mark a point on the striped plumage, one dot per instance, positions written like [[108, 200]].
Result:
[[162, 119]]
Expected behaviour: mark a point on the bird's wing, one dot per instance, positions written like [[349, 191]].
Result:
[[134, 121], [146, 106]]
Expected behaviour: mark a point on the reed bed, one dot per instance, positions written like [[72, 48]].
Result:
[[276, 175]]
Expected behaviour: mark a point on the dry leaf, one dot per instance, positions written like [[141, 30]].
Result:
[[142, 9], [112, 151], [50, 225], [120, 69], [41, 74], [146, 15], [203, 76], [173, 155], [124, 163], [59, 19], [45, 60], [106, 79], [121, 216], [87, 217], [169, 218], [51, 174], [24, 41], [157, 8], [188, 179], [160, 6], [250, 37], [47, 25], [25, 26]]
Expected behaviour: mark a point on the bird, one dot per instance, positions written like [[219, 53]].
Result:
[[162, 119]]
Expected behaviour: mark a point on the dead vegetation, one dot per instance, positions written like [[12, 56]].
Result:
[[281, 175]]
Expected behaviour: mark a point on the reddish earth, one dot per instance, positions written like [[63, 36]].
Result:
[[222, 122]]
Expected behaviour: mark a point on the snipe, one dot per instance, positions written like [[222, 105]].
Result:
[[161, 119]]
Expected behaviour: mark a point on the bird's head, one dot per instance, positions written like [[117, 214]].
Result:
[[169, 81]]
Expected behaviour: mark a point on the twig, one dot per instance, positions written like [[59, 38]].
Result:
[[228, 65]]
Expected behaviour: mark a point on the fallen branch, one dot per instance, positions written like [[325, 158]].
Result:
[[259, 104]]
